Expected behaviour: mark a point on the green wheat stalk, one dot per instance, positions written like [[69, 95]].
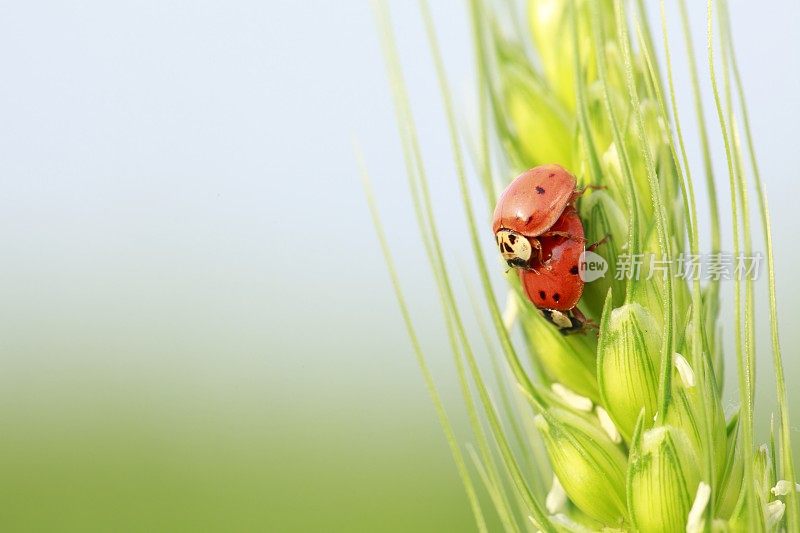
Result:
[[629, 423]]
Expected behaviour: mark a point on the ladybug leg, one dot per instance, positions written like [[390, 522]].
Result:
[[593, 247], [580, 190], [565, 234], [537, 247], [585, 323], [528, 267], [580, 317]]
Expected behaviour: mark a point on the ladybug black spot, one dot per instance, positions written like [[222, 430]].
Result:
[[556, 297], [542, 295], [552, 174], [512, 239], [574, 270], [507, 248], [539, 190]]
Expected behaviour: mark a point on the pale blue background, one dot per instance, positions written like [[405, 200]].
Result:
[[188, 260]]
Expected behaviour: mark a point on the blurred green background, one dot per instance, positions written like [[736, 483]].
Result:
[[196, 328]]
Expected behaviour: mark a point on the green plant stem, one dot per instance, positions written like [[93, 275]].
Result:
[[697, 310], [702, 128], [631, 199], [583, 114], [787, 472], [743, 365], [513, 468], [493, 420], [485, 163], [660, 215], [456, 331], [430, 384]]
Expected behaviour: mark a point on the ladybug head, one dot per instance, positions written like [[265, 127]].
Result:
[[514, 247]]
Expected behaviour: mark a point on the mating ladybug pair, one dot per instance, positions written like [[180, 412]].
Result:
[[539, 233]]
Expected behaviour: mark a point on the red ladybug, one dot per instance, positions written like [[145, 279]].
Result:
[[554, 285], [528, 209], [537, 212]]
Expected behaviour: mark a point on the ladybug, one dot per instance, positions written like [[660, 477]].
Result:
[[528, 209], [554, 285], [539, 232]]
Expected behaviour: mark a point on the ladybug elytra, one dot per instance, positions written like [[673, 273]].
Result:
[[555, 285], [528, 209]]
